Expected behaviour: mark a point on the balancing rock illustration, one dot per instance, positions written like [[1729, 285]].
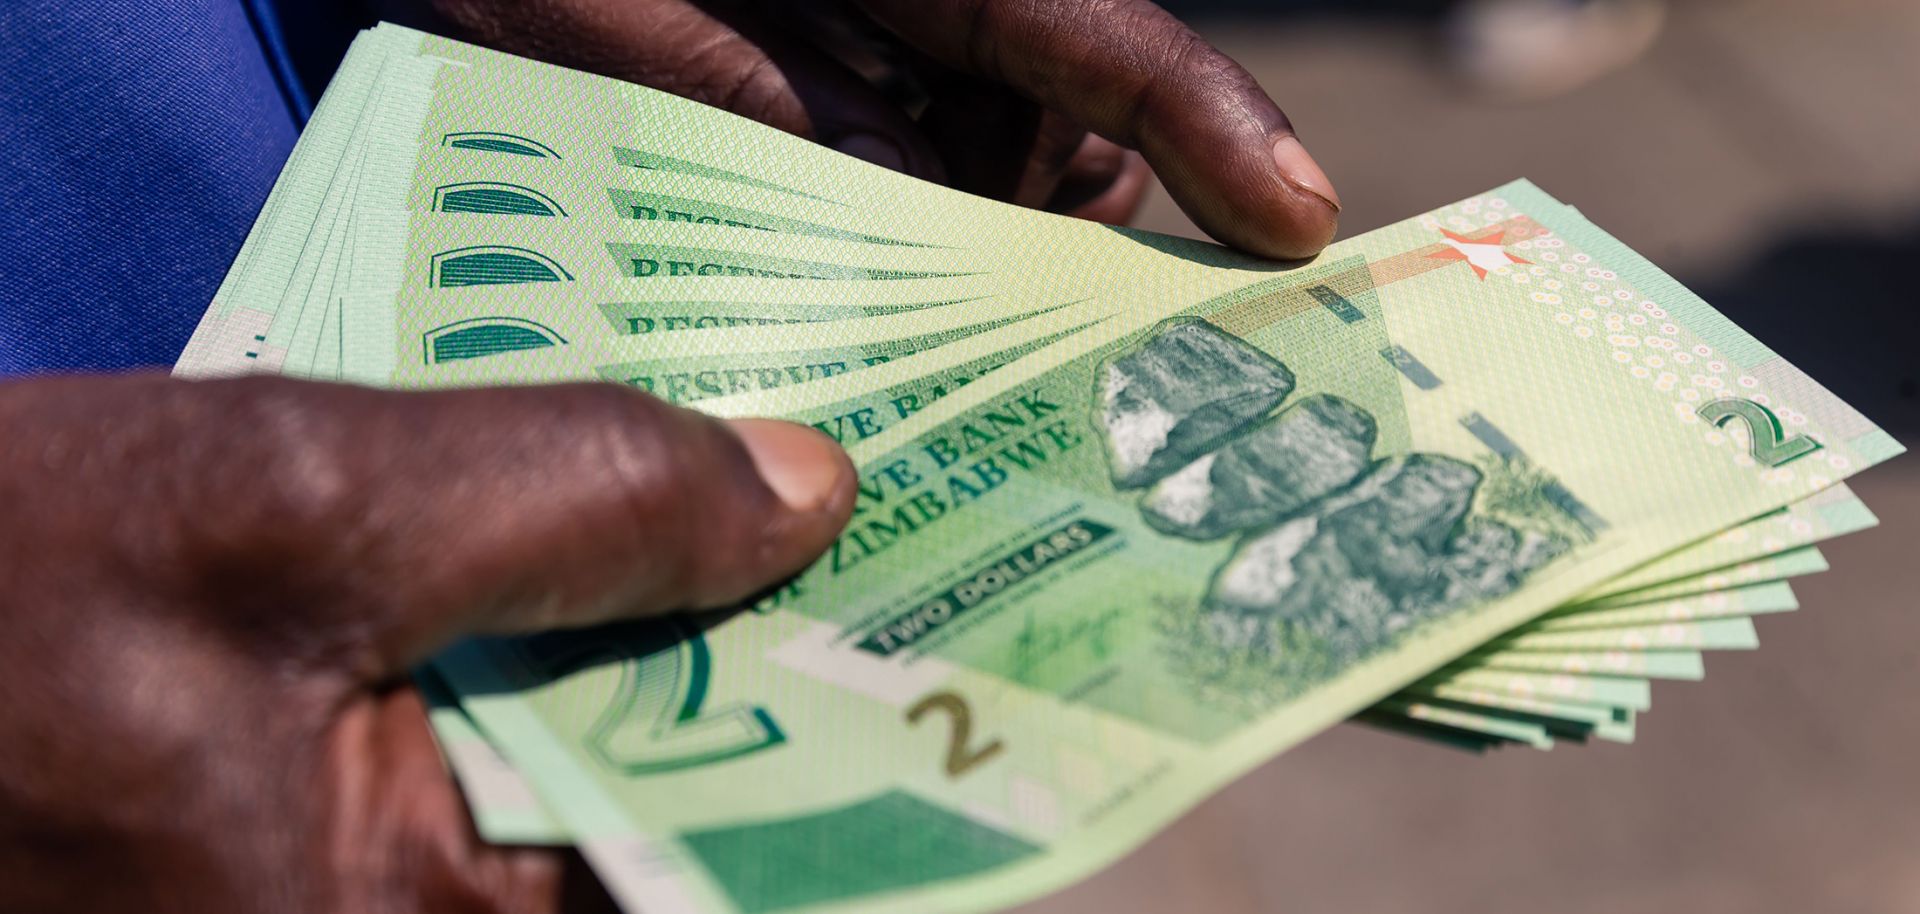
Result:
[[1179, 394], [1337, 547], [1310, 450]]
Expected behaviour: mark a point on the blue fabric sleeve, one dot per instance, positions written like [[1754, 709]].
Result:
[[140, 139]]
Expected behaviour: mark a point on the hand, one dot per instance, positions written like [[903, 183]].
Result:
[[1011, 89], [214, 592]]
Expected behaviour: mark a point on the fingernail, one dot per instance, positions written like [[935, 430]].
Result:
[[802, 466], [874, 148], [1302, 171]]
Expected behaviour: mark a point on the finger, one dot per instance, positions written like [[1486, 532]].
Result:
[[594, 502], [412, 831], [1103, 183], [845, 35], [385, 525], [1132, 73], [996, 143], [715, 54]]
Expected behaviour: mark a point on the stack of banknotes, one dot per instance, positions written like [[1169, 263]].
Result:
[[1136, 513]]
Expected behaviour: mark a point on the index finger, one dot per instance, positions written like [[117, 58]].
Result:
[[1131, 72]]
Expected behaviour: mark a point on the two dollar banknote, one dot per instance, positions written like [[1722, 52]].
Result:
[[1135, 513]]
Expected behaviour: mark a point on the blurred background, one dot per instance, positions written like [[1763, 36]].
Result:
[[1767, 153]]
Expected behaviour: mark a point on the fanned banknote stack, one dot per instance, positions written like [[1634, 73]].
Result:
[[1136, 513]]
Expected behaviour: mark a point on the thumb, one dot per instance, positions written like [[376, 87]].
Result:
[[409, 520]]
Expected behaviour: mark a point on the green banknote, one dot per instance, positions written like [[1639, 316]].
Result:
[[306, 324], [245, 305], [1780, 566], [613, 186], [1190, 614], [1431, 733], [1731, 634], [1631, 640], [486, 177], [515, 371], [515, 196], [1748, 600], [1834, 511], [1500, 714], [1699, 597], [505, 808], [292, 319], [1603, 691], [759, 359], [502, 799], [689, 368], [1467, 718], [405, 316], [489, 220], [1680, 664]]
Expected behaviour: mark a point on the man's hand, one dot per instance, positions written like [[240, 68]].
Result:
[[214, 590], [1024, 100]]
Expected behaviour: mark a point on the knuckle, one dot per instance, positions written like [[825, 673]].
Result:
[[271, 495], [1118, 65], [1176, 63], [693, 502], [293, 463], [758, 90], [698, 57], [988, 23], [211, 492]]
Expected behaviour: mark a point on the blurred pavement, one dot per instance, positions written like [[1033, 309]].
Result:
[[1766, 152]]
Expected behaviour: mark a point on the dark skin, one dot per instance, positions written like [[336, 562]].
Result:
[[1052, 103], [214, 590]]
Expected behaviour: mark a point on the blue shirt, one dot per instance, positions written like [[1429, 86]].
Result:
[[139, 139]]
